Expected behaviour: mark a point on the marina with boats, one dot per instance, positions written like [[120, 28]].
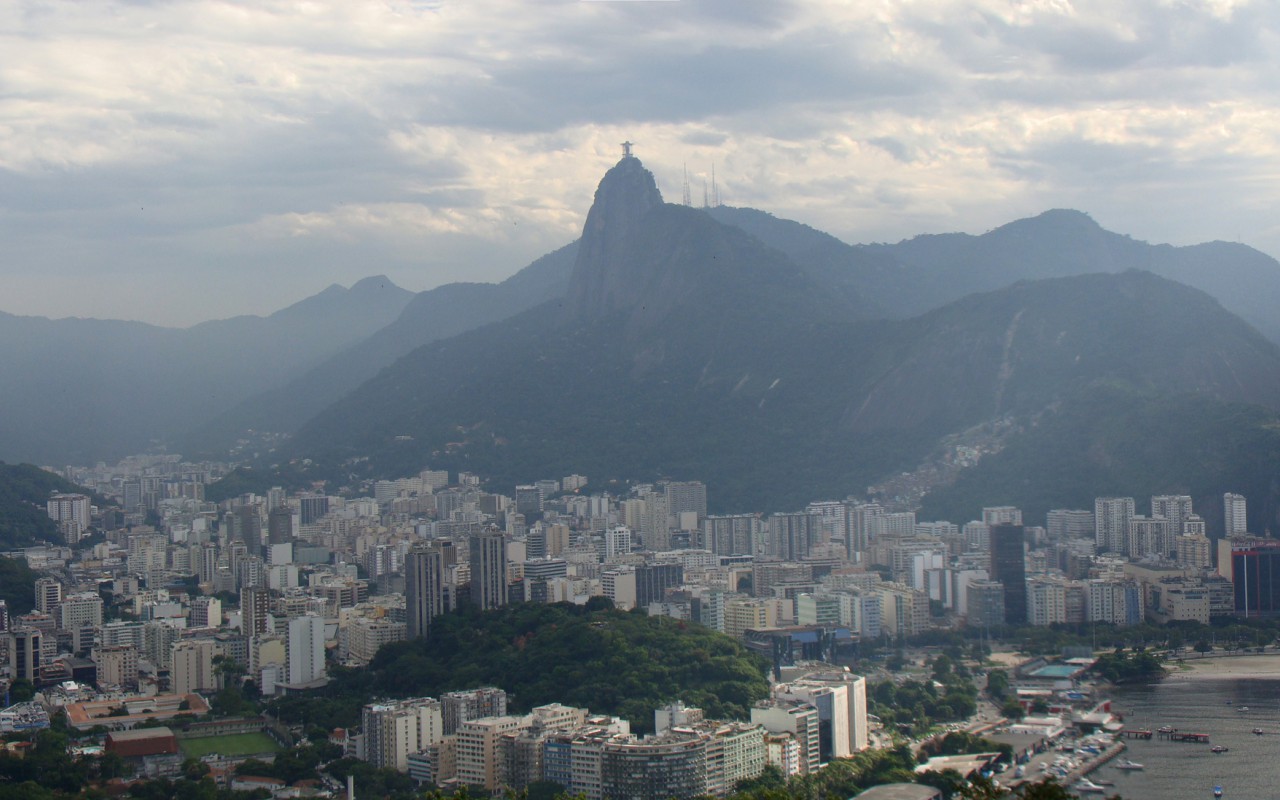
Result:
[[1149, 741]]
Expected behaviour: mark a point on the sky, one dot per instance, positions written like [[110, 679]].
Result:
[[182, 160]]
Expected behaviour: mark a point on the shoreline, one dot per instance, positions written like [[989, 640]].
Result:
[[1239, 667]]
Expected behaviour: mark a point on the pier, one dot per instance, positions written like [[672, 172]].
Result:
[[1136, 734], [1183, 736], [1092, 764]]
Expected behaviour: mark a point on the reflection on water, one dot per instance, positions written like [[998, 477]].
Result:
[[1251, 767]]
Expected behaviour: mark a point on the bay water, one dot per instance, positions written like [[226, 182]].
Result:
[[1250, 769]]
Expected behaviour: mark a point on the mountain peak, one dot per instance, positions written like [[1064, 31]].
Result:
[[626, 194], [373, 282], [1065, 220]]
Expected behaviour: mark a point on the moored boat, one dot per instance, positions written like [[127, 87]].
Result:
[[1129, 765], [1086, 786]]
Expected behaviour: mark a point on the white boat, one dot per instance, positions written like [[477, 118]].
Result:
[[1086, 786], [1242, 708], [1129, 765]]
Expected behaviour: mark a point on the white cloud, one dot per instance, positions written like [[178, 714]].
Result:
[[275, 144]]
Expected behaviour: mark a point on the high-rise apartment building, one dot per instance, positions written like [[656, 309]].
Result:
[[791, 536], [1009, 567], [280, 525], [733, 535], [117, 666], [424, 589], [1066, 523], [985, 603], [1046, 602], [48, 595], [365, 636], [1235, 520], [304, 650], [798, 719], [312, 509], [1002, 515], [673, 765], [78, 610], [191, 670], [71, 512], [653, 580], [459, 707], [206, 612], [1111, 517], [255, 605], [25, 656], [393, 731], [489, 569], [477, 743], [617, 542], [687, 496], [1254, 573], [1174, 507], [529, 499]]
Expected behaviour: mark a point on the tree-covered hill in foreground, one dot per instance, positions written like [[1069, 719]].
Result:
[[609, 661], [24, 488]]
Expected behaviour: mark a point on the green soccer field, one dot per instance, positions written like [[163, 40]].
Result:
[[236, 744]]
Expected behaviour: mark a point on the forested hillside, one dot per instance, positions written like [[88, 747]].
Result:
[[24, 520], [609, 661]]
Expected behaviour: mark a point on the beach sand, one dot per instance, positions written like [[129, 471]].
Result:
[[1243, 666]]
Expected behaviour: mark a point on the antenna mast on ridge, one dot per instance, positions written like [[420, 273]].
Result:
[[715, 190], [688, 201]]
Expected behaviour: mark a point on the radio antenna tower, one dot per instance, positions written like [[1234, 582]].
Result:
[[715, 190], [706, 202], [688, 201]]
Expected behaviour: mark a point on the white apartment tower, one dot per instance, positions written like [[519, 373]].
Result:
[[617, 542], [1112, 517], [304, 650], [1235, 521], [192, 667]]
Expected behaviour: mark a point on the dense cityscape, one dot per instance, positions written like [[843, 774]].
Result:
[[376, 424], [160, 606]]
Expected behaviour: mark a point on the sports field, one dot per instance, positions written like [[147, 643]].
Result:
[[236, 744]]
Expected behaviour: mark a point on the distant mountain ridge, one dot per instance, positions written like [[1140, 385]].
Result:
[[80, 390], [687, 348], [432, 315], [667, 341], [928, 271]]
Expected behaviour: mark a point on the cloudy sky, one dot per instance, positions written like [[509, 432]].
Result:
[[184, 160]]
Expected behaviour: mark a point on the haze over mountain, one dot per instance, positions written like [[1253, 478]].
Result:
[[724, 344], [80, 390], [690, 349], [431, 315], [925, 272]]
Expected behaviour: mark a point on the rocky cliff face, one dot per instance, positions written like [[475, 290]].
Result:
[[601, 283]]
